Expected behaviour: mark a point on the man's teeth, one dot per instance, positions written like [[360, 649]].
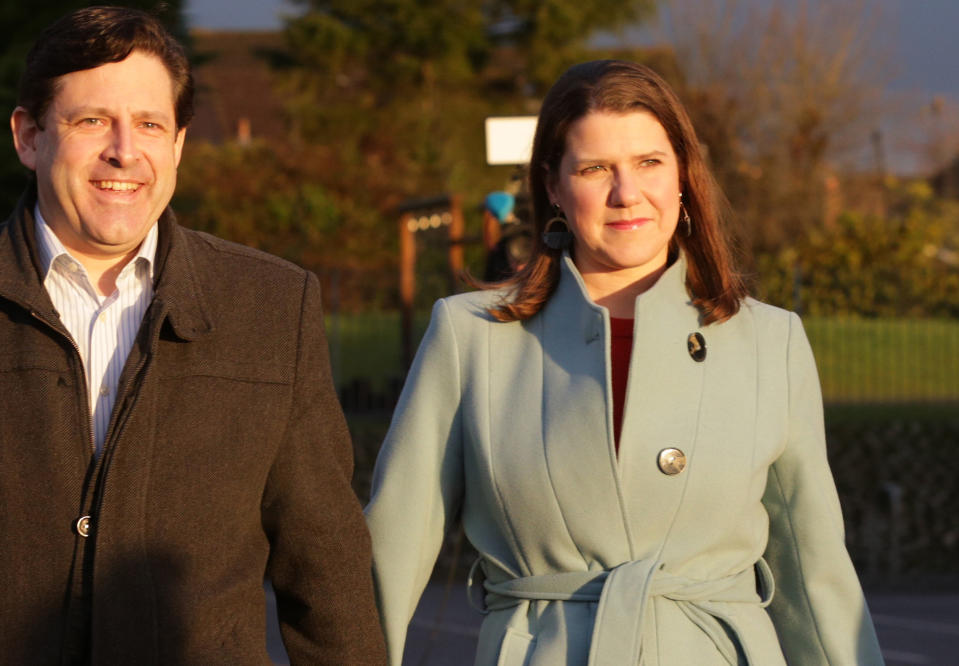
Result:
[[117, 186]]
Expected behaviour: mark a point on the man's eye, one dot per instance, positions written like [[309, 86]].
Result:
[[92, 122], [595, 168]]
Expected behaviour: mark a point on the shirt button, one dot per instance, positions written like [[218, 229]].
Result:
[[104, 391], [84, 526]]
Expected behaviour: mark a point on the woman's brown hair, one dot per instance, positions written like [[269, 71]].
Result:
[[622, 87]]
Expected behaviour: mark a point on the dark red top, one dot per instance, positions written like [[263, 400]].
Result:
[[620, 348]]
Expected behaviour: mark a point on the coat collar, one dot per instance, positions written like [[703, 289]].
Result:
[[178, 291], [668, 297], [177, 286], [20, 265]]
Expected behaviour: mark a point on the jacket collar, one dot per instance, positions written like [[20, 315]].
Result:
[[177, 287], [20, 266], [178, 291], [668, 295]]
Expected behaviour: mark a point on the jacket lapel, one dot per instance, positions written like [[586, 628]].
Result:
[[663, 402], [577, 421], [616, 510], [178, 289]]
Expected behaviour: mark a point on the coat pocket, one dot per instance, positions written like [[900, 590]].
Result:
[[517, 648]]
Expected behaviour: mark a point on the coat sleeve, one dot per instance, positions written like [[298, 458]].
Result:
[[818, 609], [417, 482], [319, 547]]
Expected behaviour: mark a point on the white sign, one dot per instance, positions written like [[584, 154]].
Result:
[[509, 139]]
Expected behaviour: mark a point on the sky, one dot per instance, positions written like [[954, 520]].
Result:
[[923, 33], [237, 14]]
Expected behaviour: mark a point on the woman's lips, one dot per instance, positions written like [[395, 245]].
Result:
[[628, 225]]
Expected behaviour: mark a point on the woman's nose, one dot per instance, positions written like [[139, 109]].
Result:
[[626, 190]]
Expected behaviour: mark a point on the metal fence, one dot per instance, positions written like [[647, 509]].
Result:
[[860, 361], [886, 360]]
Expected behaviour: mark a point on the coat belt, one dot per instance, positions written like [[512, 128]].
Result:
[[623, 592]]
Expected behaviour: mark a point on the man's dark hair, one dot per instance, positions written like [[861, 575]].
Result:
[[95, 36]]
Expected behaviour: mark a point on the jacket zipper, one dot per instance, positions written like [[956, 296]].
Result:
[[120, 415]]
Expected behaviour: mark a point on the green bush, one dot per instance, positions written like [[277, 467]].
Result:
[[902, 264]]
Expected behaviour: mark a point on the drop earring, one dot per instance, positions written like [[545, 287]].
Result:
[[684, 216], [557, 239]]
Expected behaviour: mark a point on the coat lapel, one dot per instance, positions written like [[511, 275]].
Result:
[[577, 422], [662, 410]]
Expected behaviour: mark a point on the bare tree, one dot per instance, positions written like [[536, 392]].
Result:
[[938, 125], [784, 92]]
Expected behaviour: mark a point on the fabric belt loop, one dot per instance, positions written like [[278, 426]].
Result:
[[765, 582]]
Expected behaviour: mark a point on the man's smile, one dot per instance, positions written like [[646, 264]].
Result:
[[116, 185]]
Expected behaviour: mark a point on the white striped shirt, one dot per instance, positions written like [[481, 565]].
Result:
[[103, 328]]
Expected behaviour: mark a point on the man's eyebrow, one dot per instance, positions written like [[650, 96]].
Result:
[[86, 111]]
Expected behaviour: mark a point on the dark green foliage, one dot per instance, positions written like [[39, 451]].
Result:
[[287, 203], [395, 43], [903, 263]]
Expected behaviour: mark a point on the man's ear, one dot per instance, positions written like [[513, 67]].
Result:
[[25, 130], [178, 145]]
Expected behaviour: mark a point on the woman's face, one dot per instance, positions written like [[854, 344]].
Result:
[[618, 184]]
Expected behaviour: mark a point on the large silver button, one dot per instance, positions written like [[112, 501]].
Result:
[[671, 461], [84, 526]]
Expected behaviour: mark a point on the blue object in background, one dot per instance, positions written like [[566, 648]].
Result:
[[500, 204]]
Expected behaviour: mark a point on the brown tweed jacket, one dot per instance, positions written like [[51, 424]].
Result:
[[227, 459]]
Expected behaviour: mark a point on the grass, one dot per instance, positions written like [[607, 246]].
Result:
[[886, 360], [365, 346]]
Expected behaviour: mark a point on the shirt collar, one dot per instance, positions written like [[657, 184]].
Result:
[[49, 247]]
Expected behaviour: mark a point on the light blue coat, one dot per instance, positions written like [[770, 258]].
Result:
[[590, 557]]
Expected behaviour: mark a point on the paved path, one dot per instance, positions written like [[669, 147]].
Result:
[[917, 629], [914, 629]]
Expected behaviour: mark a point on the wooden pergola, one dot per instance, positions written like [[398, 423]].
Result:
[[418, 215]]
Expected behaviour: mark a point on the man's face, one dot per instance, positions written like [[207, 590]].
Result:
[[107, 155]]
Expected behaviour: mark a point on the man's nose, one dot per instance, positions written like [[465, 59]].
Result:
[[121, 148]]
